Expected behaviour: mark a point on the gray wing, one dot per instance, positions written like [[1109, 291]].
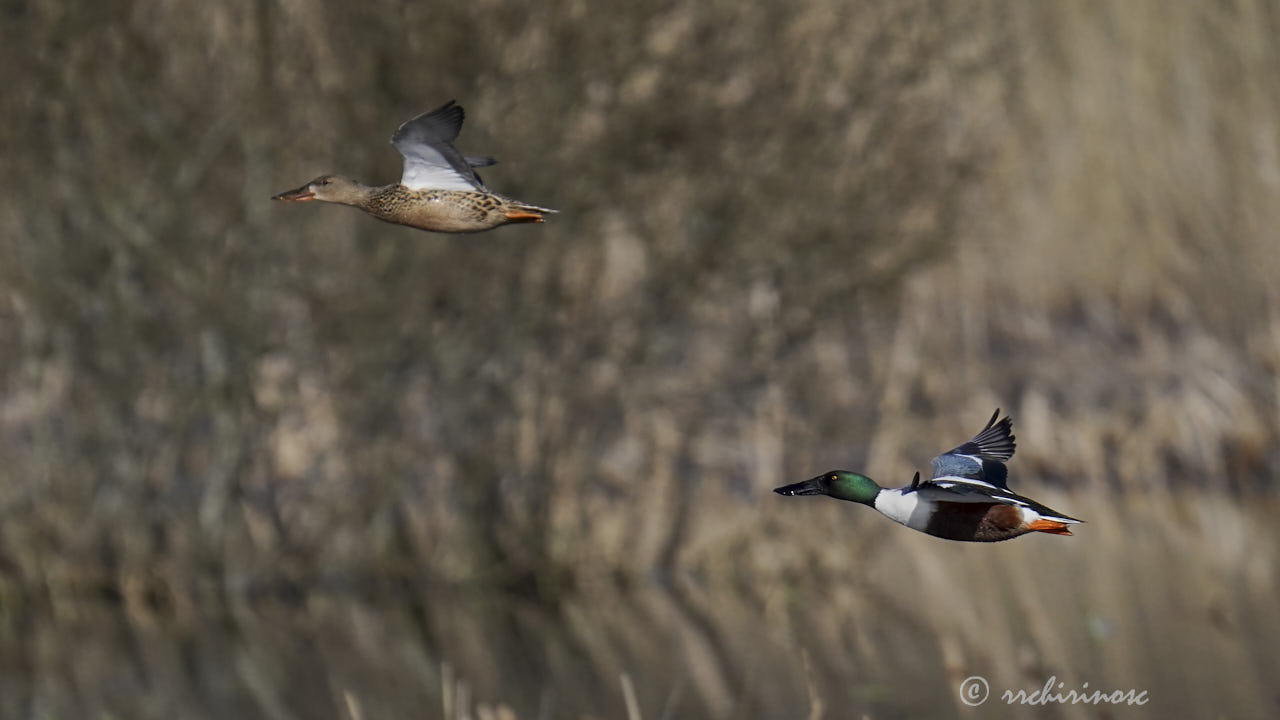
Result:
[[431, 162], [983, 457]]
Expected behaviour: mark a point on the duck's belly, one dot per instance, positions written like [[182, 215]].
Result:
[[442, 211]]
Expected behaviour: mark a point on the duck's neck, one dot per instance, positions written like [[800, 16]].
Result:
[[361, 196]]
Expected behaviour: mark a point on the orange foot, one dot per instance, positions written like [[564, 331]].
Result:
[[1053, 527], [516, 216]]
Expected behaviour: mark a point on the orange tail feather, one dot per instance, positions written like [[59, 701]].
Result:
[[1053, 527]]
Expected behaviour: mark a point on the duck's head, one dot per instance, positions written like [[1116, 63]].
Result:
[[326, 188], [841, 484]]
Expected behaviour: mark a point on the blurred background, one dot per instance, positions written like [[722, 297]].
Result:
[[273, 461]]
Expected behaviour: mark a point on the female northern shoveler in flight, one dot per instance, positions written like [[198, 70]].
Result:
[[966, 499], [439, 191]]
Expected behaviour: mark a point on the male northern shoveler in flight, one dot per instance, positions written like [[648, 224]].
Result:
[[967, 498], [439, 191]]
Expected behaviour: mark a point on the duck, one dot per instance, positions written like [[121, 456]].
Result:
[[968, 498], [440, 190]]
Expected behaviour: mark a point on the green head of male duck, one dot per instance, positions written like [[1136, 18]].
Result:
[[839, 484]]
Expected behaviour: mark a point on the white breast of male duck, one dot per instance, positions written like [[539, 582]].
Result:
[[908, 508]]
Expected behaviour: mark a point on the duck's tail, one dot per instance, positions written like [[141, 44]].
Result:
[[521, 213]]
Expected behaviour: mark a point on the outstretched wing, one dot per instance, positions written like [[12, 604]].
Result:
[[431, 162], [983, 457]]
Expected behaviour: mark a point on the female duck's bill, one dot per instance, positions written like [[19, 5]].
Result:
[[301, 194]]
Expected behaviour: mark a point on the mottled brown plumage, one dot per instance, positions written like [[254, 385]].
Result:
[[439, 191]]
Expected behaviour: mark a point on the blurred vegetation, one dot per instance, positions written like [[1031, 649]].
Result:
[[793, 237]]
